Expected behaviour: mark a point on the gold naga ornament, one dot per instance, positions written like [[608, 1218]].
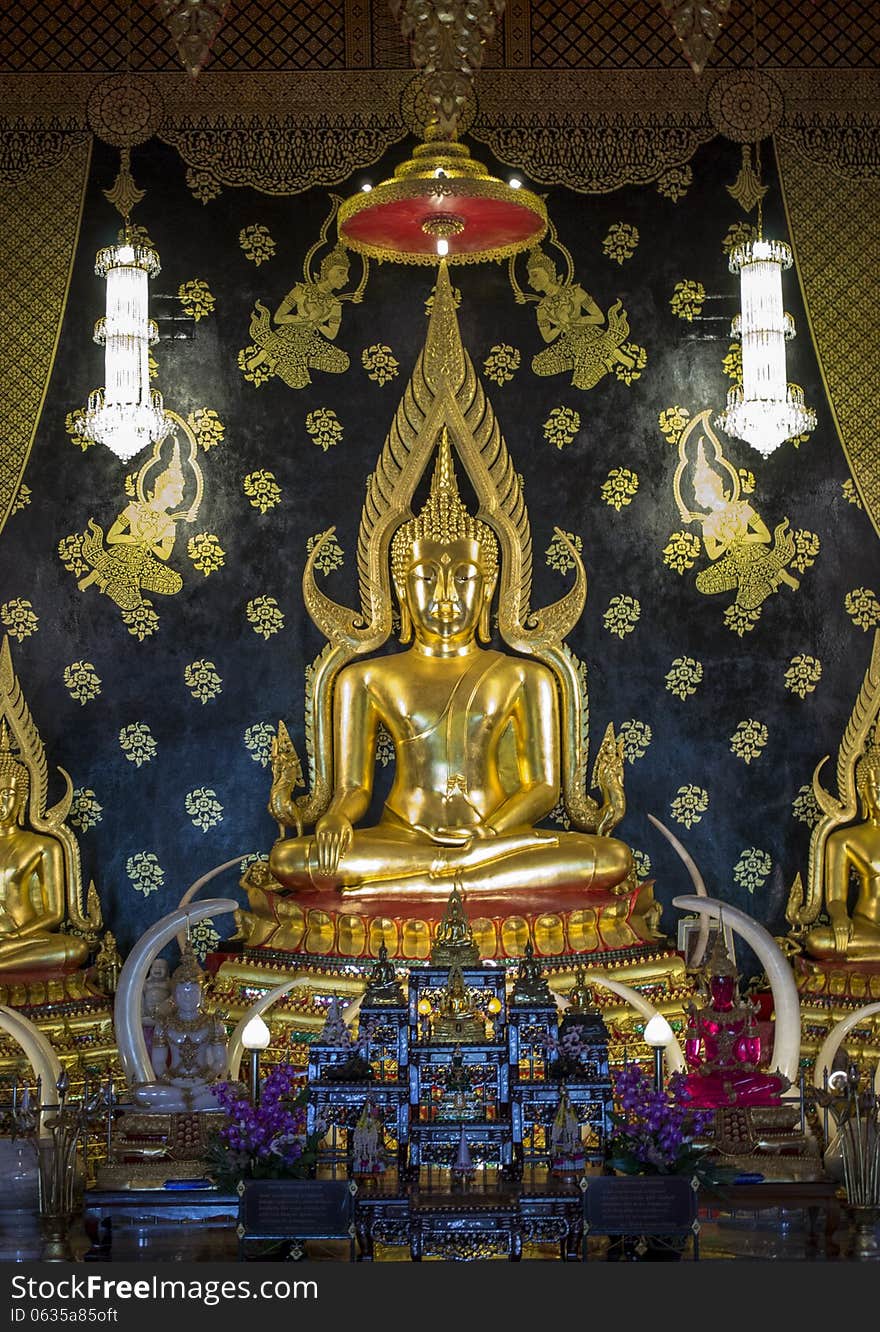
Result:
[[41, 895], [484, 741], [840, 848]]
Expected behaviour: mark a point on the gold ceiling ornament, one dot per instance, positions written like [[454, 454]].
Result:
[[441, 202], [697, 24], [124, 193], [193, 24], [448, 40], [125, 110]]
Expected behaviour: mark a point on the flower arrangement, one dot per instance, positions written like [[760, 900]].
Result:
[[656, 1132], [265, 1141]]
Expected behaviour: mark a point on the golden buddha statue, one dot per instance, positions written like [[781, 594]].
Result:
[[452, 709], [456, 1018], [845, 853], [39, 861], [486, 740]]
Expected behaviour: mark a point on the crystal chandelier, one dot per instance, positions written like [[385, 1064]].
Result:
[[765, 410], [126, 414]]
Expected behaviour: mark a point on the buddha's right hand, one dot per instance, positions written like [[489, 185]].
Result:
[[843, 932], [333, 834]]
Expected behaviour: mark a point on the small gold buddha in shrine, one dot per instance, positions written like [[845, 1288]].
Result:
[[853, 853], [476, 737], [33, 886], [456, 1018]]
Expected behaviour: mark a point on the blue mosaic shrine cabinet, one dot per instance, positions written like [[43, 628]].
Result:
[[503, 1090]]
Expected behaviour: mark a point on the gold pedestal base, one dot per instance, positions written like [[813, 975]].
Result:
[[149, 1149]]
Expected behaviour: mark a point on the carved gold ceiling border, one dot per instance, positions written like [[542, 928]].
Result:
[[590, 130]]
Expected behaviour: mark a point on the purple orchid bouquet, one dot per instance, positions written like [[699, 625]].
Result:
[[657, 1132], [265, 1141]]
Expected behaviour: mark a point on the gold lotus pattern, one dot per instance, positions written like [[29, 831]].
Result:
[[207, 427], [204, 938], [675, 182], [862, 607], [752, 869], [746, 480], [561, 426], [732, 362], [684, 677], [850, 494], [257, 243], [82, 681], [687, 299], [137, 743], [258, 742], [806, 548], [203, 185], [636, 735], [738, 233], [620, 242], [203, 808], [85, 812], [619, 487], [330, 556], [22, 499], [559, 815], [681, 551], [262, 490], [748, 740], [803, 674], [142, 622], [72, 423], [205, 552], [146, 874], [502, 363], [689, 805], [805, 806], [622, 615], [324, 428], [559, 557], [202, 680], [673, 422], [265, 616], [380, 363], [196, 299], [642, 863], [19, 618], [384, 747]]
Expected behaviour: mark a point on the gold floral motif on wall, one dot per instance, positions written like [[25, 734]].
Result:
[[137, 743], [805, 806], [19, 618], [684, 677], [850, 494], [502, 363], [620, 242], [196, 299], [582, 338], [257, 243], [689, 805], [262, 490], [202, 680], [265, 616], [862, 607], [82, 681], [745, 558], [619, 487], [203, 808], [675, 182], [258, 742], [687, 299], [559, 557], [749, 739], [636, 736], [561, 426], [206, 426], [133, 557], [622, 615], [204, 938], [331, 555], [146, 874], [673, 422], [205, 553], [21, 501], [752, 869], [85, 812], [380, 363], [324, 428], [803, 674]]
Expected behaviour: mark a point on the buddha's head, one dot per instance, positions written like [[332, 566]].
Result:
[[868, 777], [444, 564], [15, 782], [187, 981]]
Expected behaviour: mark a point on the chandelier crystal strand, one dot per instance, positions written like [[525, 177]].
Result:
[[765, 410], [126, 415]]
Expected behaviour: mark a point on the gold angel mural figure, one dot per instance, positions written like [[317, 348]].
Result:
[[299, 337], [745, 558], [133, 557], [582, 337]]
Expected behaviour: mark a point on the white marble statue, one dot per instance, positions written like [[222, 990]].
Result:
[[189, 1047]]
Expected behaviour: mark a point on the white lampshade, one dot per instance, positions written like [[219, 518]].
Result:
[[765, 410], [658, 1031], [126, 415], [256, 1034]]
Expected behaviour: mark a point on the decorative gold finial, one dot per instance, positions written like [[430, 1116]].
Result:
[[188, 968], [443, 518], [454, 945], [719, 962]]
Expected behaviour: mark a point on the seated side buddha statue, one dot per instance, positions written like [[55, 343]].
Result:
[[853, 854], [33, 883], [722, 1044], [476, 736]]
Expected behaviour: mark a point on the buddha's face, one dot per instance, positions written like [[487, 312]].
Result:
[[868, 783], [12, 796], [187, 997], [445, 591]]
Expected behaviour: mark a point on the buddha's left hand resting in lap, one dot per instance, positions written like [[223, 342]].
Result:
[[476, 740]]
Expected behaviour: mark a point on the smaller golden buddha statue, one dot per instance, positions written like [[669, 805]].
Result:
[[189, 1046], [454, 942], [853, 854], [33, 882], [383, 986], [580, 996], [530, 986], [456, 1019]]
